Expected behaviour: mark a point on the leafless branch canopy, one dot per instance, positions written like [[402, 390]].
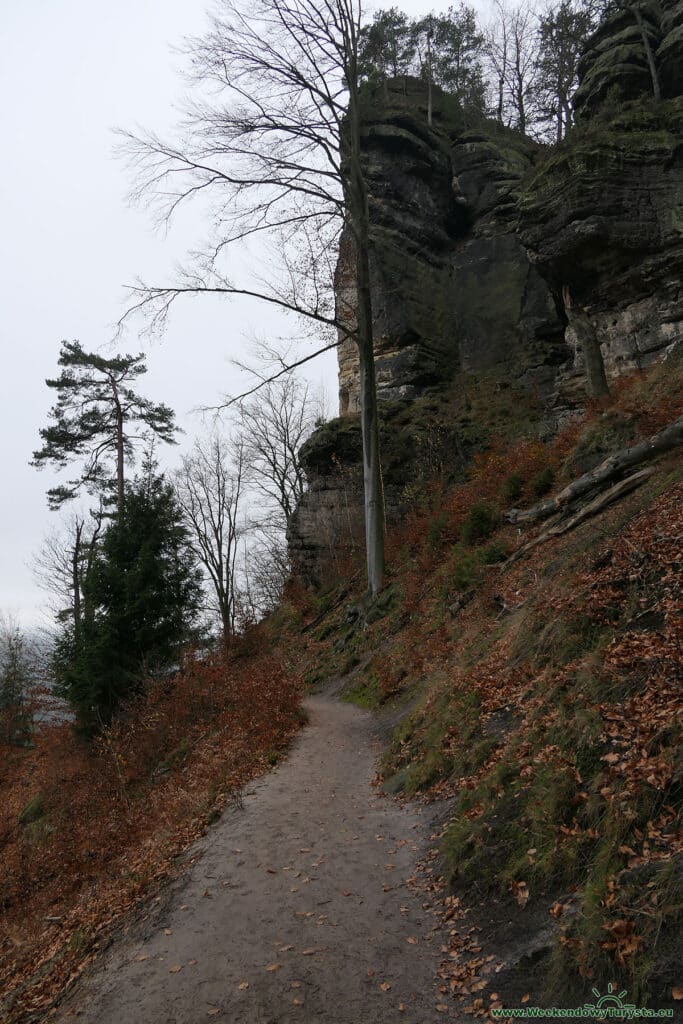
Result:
[[209, 488], [264, 148]]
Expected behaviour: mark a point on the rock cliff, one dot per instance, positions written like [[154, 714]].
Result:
[[476, 232], [453, 287], [603, 213], [615, 67]]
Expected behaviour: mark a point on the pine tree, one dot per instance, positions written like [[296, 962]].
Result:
[[96, 406], [387, 46], [144, 593]]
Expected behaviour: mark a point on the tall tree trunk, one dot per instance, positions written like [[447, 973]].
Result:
[[359, 216], [656, 89], [87, 614], [119, 456], [521, 111], [76, 578], [590, 346], [372, 474], [430, 79]]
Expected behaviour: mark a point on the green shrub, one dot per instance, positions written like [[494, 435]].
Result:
[[512, 488], [436, 527], [479, 524], [465, 567], [543, 482], [496, 551]]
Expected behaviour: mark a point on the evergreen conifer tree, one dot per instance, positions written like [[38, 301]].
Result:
[[144, 594]]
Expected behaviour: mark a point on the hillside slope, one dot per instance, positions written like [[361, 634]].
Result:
[[539, 700], [530, 696]]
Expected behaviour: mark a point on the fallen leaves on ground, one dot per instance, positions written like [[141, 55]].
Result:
[[95, 859]]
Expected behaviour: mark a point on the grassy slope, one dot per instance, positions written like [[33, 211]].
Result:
[[542, 704]]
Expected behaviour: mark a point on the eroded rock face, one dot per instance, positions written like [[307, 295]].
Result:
[[615, 67], [453, 289], [476, 236], [604, 216], [670, 52]]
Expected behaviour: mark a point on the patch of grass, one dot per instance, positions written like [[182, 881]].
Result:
[[546, 641], [365, 693], [34, 810], [438, 757], [602, 437]]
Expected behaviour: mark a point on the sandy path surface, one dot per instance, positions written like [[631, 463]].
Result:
[[311, 876]]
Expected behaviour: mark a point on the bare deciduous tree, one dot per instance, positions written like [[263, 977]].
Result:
[[564, 29], [63, 563], [278, 148], [209, 487], [274, 426], [266, 570]]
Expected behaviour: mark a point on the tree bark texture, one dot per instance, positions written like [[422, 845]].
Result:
[[592, 354]]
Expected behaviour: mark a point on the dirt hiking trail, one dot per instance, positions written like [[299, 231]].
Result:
[[296, 909]]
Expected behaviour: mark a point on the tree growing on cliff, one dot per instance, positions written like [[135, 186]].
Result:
[[563, 34], [513, 62], [458, 51], [96, 406], [387, 46], [279, 150]]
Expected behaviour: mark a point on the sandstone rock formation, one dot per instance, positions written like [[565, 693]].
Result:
[[670, 52], [477, 232], [615, 67], [603, 216], [453, 288]]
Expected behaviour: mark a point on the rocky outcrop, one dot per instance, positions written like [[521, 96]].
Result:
[[478, 237], [615, 68], [670, 52], [418, 439], [453, 288], [604, 217]]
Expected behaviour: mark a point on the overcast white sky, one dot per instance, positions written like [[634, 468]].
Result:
[[71, 71]]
